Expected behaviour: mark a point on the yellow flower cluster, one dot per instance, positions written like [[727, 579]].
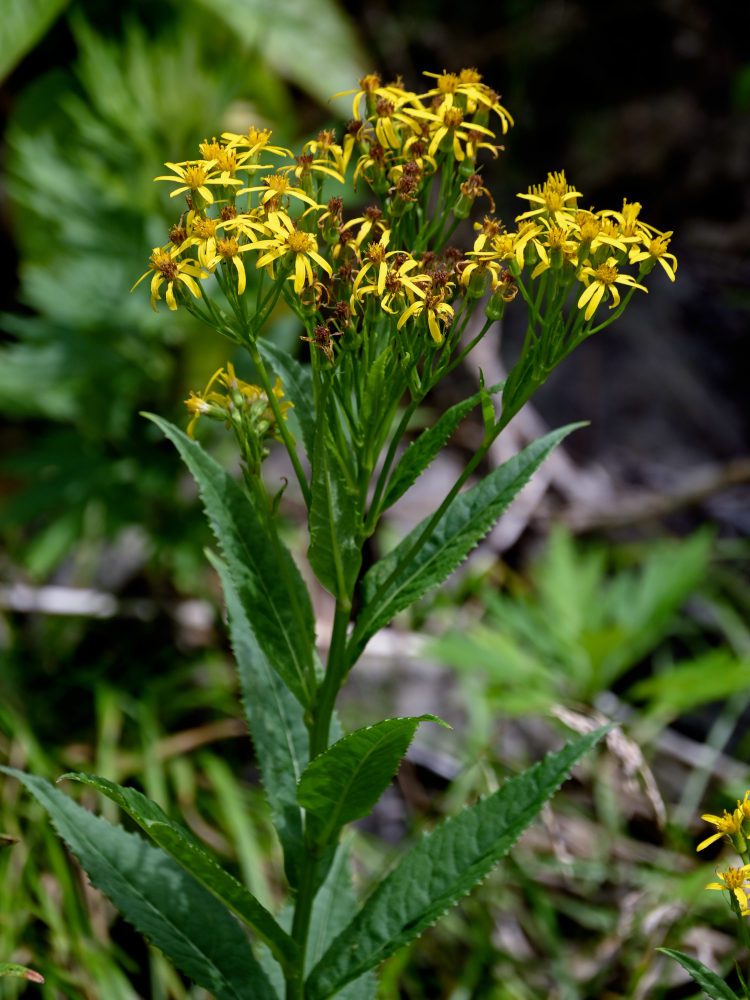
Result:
[[247, 196], [240, 402], [250, 200], [593, 247]]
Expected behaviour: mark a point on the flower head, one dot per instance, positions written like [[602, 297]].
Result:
[[165, 267], [728, 825], [736, 881], [555, 198], [602, 281], [298, 247]]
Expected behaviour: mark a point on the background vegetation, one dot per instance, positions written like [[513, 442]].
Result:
[[112, 650]]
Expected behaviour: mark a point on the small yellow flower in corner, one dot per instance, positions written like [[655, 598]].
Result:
[[735, 881], [728, 825]]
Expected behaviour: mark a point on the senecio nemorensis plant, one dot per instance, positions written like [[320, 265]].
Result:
[[389, 309]]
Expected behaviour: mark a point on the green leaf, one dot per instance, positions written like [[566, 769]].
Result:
[[345, 781], [297, 382], [439, 869], [708, 981], [714, 676], [467, 520], [22, 25], [282, 30], [276, 724], [186, 850], [159, 898], [423, 450], [334, 520], [373, 393], [268, 583], [334, 907], [20, 972]]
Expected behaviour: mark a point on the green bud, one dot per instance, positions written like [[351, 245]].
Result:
[[478, 282], [495, 307], [463, 206]]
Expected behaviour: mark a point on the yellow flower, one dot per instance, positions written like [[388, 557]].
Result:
[[735, 880], [371, 88], [727, 825], [488, 229], [164, 266], [447, 123], [275, 187], [397, 287], [605, 278], [194, 176], [375, 256], [470, 91], [219, 406], [552, 198], [302, 247], [255, 141], [203, 403], [435, 309], [595, 232], [230, 250], [325, 147], [655, 250]]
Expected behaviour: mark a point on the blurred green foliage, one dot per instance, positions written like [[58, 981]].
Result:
[[576, 625]]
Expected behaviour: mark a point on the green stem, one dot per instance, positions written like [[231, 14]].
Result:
[[280, 422], [336, 670], [355, 645]]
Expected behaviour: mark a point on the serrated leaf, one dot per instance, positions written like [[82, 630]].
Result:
[[334, 521], [466, 521], [709, 982], [423, 449], [297, 382], [439, 869], [159, 898], [372, 394], [276, 723], [345, 781], [187, 851], [268, 583]]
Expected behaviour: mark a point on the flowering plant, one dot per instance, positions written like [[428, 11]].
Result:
[[735, 828], [389, 309]]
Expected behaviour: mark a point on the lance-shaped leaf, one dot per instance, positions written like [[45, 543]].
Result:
[[159, 898], [186, 850], [268, 583], [334, 521], [423, 449], [466, 521], [276, 724], [711, 984], [345, 781], [335, 906], [439, 869], [375, 391], [298, 387]]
